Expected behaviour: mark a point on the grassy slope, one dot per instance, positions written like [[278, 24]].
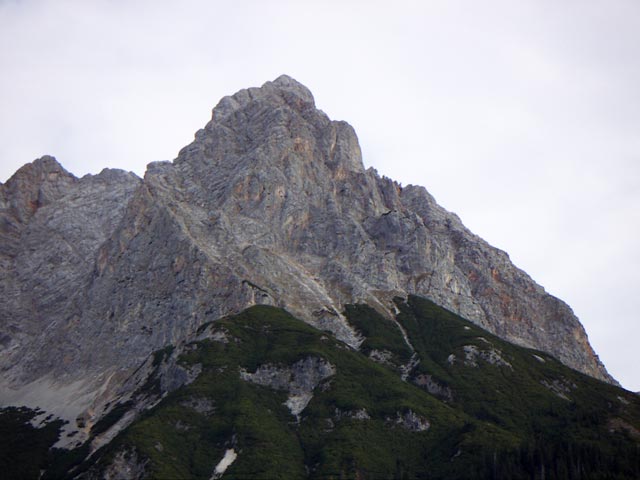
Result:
[[495, 422], [182, 443], [569, 422]]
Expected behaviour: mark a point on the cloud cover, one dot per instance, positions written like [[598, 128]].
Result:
[[522, 117]]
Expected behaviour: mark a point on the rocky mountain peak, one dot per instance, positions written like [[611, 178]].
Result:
[[34, 185], [280, 124], [270, 204], [289, 189], [284, 90]]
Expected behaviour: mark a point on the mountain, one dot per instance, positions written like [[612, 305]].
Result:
[[106, 276], [264, 395]]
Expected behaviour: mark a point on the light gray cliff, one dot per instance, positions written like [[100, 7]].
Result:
[[269, 204]]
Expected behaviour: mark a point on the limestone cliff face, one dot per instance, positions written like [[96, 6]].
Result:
[[270, 204]]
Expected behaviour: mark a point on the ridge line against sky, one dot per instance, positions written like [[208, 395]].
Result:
[[521, 117]]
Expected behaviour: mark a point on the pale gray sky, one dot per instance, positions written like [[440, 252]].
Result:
[[521, 117]]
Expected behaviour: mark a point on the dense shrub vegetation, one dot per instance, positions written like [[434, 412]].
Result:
[[494, 410]]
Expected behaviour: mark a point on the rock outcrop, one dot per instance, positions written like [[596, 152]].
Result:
[[270, 204], [299, 380]]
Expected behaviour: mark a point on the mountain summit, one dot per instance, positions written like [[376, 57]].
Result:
[[270, 204]]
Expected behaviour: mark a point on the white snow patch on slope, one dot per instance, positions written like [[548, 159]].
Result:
[[229, 457]]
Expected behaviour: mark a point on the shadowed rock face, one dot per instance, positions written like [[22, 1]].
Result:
[[270, 204]]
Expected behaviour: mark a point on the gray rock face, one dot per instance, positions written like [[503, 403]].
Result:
[[434, 387], [299, 380], [412, 421], [492, 356], [270, 204], [52, 225], [125, 465]]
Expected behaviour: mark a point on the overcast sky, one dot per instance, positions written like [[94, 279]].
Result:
[[523, 117]]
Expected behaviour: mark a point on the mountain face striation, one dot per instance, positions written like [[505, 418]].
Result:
[[270, 205]]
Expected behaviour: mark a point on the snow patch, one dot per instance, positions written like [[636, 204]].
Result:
[[229, 457]]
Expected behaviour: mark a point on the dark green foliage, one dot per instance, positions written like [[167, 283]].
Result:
[[523, 416], [565, 421], [111, 418], [327, 441], [160, 355], [24, 449], [63, 461], [380, 333]]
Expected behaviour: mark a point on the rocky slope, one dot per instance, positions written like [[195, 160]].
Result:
[[263, 395], [270, 205]]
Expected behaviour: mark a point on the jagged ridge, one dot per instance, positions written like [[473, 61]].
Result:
[[270, 204]]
